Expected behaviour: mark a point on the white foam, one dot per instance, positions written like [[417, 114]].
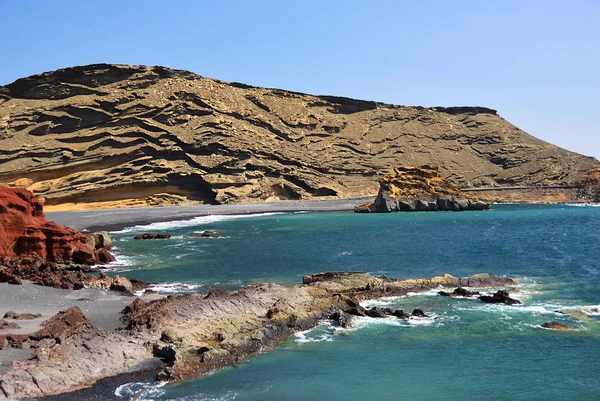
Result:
[[196, 221], [583, 204], [428, 293], [360, 322], [129, 390], [383, 301], [303, 337], [173, 288]]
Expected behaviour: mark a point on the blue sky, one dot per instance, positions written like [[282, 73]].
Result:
[[537, 62]]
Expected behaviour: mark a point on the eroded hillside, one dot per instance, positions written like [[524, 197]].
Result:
[[108, 132]]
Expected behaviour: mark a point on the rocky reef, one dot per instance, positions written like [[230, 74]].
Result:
[[134, 135], [194, 334], [420, 189], [36, 249]]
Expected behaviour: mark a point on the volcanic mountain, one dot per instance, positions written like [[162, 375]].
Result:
[[116, 132]]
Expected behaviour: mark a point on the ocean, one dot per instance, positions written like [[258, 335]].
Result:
[[466, 350]]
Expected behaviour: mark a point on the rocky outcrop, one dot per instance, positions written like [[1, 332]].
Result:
[[197, 334], [557, 326], [69, 353], [27, 236], [35, 249], [499, 297], [152, 135], [152, 236], [459, 292], [420, 189], [194, 334]]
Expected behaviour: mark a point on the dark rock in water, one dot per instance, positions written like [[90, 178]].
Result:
[[558, 326], [500, 297], [211, 234], [205, 234], [418, 313], [152, 236], [21, 316], [400, 314], [341, 319], [458, 292], [357, 311], [378, 312]]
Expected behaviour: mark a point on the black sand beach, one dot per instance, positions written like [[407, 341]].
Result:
[[116, 219]]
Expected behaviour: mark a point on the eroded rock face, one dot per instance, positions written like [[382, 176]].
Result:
[[26, 234], [113, 133], [36, 249], [420, 189]]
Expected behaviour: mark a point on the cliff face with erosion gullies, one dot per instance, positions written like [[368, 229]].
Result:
[[155, 135], [413, 189]]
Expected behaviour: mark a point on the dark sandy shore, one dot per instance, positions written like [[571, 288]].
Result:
[[116, 219]]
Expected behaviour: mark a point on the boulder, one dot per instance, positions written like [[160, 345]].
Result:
[[500, 297], [418, 313], [121, 284], [152, 236], [558, 326], [21, 316], [5, 325], [103, 256], [458, 292]]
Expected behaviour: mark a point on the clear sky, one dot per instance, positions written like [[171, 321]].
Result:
[[536, 62]]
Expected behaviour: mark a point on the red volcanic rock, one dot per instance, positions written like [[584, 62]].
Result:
[[25, 233], [103, 256], [36, 249]]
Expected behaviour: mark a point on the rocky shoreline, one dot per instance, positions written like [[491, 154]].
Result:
[[195, 334]]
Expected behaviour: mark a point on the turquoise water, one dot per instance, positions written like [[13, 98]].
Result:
[[467, 350]]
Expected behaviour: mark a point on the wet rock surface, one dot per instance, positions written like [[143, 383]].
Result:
[[499, 297], [459, 292], [558, 326], [152, 236], [194, 334]]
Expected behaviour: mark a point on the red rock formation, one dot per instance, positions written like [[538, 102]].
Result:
[[25, 233], [36, 249]]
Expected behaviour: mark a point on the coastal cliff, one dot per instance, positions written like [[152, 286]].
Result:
[[118, 135], [420, 189], [36, 249], [194, 334]]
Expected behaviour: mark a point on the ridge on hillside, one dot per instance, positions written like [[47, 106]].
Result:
[[112, 132]]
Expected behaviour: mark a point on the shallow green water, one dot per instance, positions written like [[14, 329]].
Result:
[[466, 350]]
